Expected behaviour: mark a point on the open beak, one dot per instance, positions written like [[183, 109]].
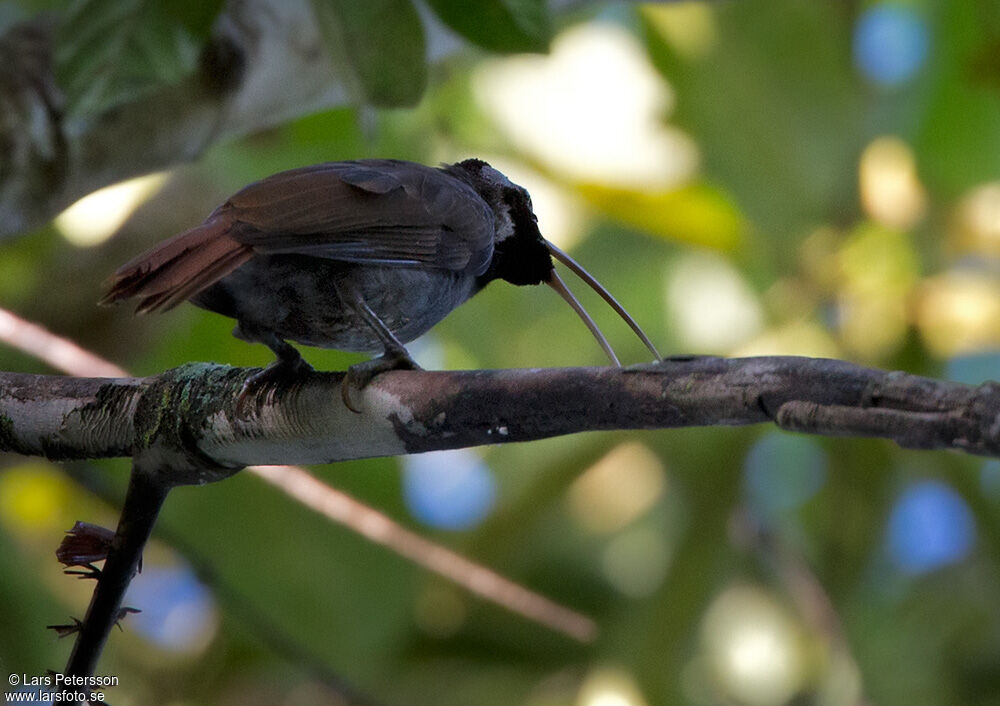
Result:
[[558, 285]]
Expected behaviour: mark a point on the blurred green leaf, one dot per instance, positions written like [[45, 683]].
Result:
[[696, 213], [381, 44], [780, 137], [21, 586], [36, 5], [19, 10], [957, 142], [498, 25], [110, 51], [768, 92], [308, 557], [196, 15]]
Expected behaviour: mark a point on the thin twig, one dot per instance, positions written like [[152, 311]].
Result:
[[238, 605], [143, 501], [61, 353], [334, 504], [339, 507], [801, 584]]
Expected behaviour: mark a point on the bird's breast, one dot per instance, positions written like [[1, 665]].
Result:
[[305, 299]]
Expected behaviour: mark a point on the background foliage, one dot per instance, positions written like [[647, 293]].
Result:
[[756, 177]]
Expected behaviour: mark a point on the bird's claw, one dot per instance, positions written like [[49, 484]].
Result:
[[358, 376], [260, 388]]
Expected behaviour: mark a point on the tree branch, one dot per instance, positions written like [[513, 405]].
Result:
[[183, 426], [334, 504], [143, 501], [188, 415]]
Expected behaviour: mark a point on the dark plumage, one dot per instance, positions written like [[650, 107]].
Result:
[[363, 255]]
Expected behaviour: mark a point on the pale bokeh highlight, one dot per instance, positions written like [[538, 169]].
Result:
[[891, 192], [958, 311], [590, 111], [636, 561], [753, 647], [610, 686], [95, 218], [978, 221], [620, 487], [710, 307]]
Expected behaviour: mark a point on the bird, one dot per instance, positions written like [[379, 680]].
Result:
[[362, 255]]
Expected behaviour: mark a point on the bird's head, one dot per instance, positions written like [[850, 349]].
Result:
[[522, 256]]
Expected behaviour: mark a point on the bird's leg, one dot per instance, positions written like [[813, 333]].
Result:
[[283, 372], [394, 357]]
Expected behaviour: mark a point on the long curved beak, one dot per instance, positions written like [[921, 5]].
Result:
[[557, 284], [605, 295]]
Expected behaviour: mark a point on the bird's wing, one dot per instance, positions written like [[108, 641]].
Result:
[[367, 211]]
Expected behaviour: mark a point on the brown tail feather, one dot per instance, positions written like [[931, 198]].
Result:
[[178, 268]]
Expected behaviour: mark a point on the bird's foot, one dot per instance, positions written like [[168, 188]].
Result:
[[359, 375], [260, 388]]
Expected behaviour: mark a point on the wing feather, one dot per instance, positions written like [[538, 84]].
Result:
[[367, 211]]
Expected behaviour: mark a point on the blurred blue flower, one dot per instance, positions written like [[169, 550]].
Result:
[[782, 471], [891, 43], [974, 368], [448, 489], [930, 527], [178, 612]]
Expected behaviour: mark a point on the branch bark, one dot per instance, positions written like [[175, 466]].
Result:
[[184, 426], [187, 417], [333, 504]]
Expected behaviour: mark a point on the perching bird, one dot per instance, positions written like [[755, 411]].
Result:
[[363, 255]]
